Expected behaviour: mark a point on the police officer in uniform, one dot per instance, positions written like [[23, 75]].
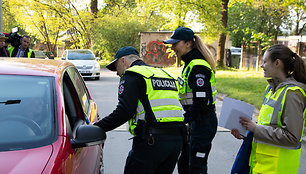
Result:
[[148, 100], [198, 97]]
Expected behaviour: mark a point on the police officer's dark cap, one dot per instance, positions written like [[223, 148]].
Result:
[[181, 33], [124, 51]]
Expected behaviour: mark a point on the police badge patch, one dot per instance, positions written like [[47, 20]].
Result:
[[120, 89], [200, 82]]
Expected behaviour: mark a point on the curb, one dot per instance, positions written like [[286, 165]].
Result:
[[220, 97]]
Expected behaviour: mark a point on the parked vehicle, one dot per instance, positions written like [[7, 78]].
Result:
[[40, 55], [84, 60], [49, 54], [46, 111]]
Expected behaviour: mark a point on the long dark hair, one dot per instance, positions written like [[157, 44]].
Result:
[[294, 65]]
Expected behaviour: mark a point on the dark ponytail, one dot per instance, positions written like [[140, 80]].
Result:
[[299, 72], [294, 65]]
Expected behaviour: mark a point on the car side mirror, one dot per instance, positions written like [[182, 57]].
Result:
[[88, 135]]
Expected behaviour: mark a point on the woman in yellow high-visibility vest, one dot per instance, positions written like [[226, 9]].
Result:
[[276, 146], [197, 88]]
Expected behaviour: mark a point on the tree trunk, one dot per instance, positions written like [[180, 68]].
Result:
[[222, 37], [258, 55], [276, 35], [220, 50], [94, 7]]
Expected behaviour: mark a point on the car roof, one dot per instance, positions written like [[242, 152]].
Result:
[[31, 66]]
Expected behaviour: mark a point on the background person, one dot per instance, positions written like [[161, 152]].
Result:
[[198, 97], [23, 49], [276, 146], [148, 99], [3, 50]]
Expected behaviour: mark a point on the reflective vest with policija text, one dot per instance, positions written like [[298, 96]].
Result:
[[186, 92], [269, 158], [162, 97], [11, 49]]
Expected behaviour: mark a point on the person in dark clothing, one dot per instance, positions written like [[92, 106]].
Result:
[[3, 49], [198, 97], [23, 50], [148, 100]]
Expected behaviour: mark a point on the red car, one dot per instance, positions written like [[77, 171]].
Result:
[[45, 116]]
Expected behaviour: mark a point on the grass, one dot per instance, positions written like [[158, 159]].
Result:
[[248, 86]]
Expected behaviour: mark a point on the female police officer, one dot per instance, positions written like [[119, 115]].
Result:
[[198, 97], [148, 99]]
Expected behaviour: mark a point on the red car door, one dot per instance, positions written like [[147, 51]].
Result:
[[80, 109]]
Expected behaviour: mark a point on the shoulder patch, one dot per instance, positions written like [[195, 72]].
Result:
[[200, 82], [120, 89]]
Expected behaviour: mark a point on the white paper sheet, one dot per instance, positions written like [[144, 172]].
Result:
[[231, 112]]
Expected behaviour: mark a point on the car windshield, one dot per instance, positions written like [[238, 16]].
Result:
[[27, 117], [40, 54], [80, 55]]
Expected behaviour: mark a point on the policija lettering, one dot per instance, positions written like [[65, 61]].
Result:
[[163, 84]]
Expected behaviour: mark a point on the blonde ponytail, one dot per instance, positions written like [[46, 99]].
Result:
[[205, 52]]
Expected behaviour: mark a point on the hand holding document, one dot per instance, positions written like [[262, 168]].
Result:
[[231, 112]]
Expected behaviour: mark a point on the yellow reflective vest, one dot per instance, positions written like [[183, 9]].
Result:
[[162, 94], [269, 158], [186, 96], [11, 49]]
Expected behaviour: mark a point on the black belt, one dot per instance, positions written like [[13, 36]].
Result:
[[167, 131]]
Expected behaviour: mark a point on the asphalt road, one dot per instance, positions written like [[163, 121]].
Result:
[[117, 145]]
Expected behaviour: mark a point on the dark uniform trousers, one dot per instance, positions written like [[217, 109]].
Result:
[[154, 157], [193, 159]]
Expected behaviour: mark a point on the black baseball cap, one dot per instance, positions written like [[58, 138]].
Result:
[[181, 33], [124, 51]]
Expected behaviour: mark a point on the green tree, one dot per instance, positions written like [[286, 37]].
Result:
[[109, 35], [298, 15], [248, 17], [47, 19]]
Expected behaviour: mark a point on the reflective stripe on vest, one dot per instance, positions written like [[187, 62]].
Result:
[[269, 158], [162, 94], [160, 114], [186, 95]]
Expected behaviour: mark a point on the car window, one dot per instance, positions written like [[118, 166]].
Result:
[[27, 117], [40, 54], [75, 97], [80, 55], [80, 88]]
